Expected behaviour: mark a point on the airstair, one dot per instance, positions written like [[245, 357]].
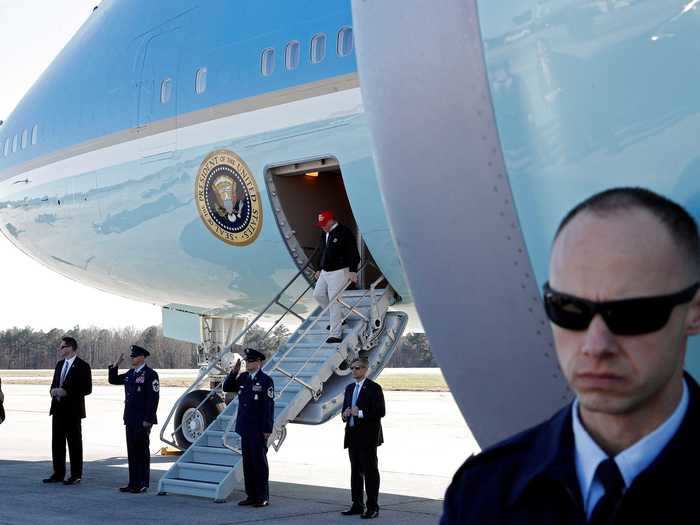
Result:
[[310, 376]]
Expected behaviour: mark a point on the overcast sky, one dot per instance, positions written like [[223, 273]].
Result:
[[32, 32]]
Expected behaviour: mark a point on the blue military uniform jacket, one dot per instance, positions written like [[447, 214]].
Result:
[[256, 401], [531, 478], [142, 391]]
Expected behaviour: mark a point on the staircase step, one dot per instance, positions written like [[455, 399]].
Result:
[[214, 456], [191, 488], [201, 472]]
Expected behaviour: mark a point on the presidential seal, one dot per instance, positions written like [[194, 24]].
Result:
[[228, 199]]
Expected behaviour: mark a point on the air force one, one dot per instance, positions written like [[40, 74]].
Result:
[[177, 152]]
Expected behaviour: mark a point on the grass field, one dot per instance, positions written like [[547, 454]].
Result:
[[406, 379]]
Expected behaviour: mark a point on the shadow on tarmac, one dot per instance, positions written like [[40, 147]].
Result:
[[25, 499]]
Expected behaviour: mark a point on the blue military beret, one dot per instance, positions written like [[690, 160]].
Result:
[[253, 355], [138, 350]]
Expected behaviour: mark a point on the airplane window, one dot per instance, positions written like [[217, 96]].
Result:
[[201, 80], [318, 48], [15, 143], [345, 42], [291, 55], [166, 89], [7, 147], [25, 138], [267, 62], [35, 133]]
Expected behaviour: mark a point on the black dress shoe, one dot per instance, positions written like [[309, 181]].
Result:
[[370, 514], [334, 340], [52, 479], [246, 502], [125, 489], [353, 511], [328, 327], [73, 480], [263, 503]]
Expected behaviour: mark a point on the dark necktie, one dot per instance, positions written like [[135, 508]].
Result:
[[605, 510]]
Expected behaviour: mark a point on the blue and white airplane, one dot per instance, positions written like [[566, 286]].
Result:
[[177, 152]]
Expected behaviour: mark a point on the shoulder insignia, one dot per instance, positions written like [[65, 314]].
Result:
[[271, 392], [156, 385]]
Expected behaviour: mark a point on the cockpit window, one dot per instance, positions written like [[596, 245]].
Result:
[[200, 84], [35, 133], [6, 150], [318, 48], [15, 143], [267, 62], [345, 42], [25, 138], [291, 55]]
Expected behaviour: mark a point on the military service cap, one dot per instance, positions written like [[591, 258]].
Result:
[[138, 350], [253, 355]]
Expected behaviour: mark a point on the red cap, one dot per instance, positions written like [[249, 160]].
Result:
[[324, 217]]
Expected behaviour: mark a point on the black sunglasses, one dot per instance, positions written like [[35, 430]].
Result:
[[635, 316]]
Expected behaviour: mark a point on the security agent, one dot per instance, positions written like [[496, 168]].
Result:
[[622, 298], [336, 261], [363, 409], [141, 388], [72, 381], [254, 422]]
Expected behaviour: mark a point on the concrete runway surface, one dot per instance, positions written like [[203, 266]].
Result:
[[426, 441]]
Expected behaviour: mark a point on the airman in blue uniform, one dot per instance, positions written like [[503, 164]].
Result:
[[254, 422], [141, 388]]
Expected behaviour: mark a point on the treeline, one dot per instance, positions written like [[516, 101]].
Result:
[[26, 348]]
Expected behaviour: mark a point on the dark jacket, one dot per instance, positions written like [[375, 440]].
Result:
[[256, 402], [141, 394], [531, 478], [340, 253], [368, 428], [77, 384]]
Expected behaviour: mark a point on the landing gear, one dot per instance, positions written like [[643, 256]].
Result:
[[192, 421]]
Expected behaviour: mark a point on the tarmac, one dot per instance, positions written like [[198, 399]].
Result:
[[426, 440]]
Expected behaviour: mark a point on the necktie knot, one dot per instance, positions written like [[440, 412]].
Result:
[[609, 475]]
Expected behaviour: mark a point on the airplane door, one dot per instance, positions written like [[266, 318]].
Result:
[[157, 96]]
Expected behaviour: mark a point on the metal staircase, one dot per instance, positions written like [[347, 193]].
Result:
[[310, 376]]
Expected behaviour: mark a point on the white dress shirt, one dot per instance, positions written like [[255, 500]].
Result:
[[64, 371], [631, 461]]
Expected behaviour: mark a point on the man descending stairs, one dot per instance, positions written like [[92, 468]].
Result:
[[336, 261]]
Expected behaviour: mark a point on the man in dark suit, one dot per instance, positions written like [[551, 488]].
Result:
[[72, 381], [336, 261], [363, 408], [142, 392], [622, 299], [254, 423]]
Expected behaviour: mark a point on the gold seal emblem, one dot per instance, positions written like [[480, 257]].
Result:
[[228, 199]]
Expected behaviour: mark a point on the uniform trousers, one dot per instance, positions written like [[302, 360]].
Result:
[[137, 448], [364, 473], [329, 284], [255, 469], [66, 429]]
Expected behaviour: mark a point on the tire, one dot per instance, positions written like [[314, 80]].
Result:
[[195, 421]]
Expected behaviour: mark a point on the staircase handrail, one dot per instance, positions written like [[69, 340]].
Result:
[[214, 363], [278, 394]]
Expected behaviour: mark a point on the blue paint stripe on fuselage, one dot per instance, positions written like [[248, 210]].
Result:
[[107, 79]]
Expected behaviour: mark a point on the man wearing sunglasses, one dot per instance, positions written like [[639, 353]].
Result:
[[72, 381], [363, 409], [622, 299]]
